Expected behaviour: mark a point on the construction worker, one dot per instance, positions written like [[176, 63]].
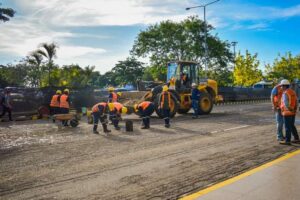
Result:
[[195, 100], [64, 104], [6, 104], [165, 105], [145, 109], [115, 112], [99, 112], [289, 105], [113, 97], [54, 104], [172, 83], [276, 95]]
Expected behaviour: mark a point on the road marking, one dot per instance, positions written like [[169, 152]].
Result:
[[241, 176], [238, 127]]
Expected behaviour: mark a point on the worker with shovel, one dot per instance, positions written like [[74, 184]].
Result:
[[99, 112]]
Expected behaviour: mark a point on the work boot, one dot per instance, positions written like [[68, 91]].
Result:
[[195, 117], [144, 127], [95, 129], [167, 125], [296, 141], [285, 143], [105, 128]]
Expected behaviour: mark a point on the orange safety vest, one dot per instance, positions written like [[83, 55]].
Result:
[[163, 99], [144, 105], [277, 98], [292, 98], [63, 101], [95, 108], [54, 101], [118, 106], [114, 97]]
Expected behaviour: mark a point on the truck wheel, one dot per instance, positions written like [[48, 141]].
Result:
[[205, 104], [174, 106], [183, 110]]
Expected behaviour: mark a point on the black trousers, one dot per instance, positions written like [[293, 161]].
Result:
[[6, 110], [64, 111]]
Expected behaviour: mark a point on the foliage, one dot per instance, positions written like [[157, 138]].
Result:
[[6, 13], [169, 40], [127, 71], [287, 66], [246, 72]]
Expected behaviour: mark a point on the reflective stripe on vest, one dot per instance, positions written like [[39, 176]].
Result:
[[95, 108], [54, 101], [144, 105], [291, 110], [118, 106], [63, 101], [277, 98], [114, 97], [163, 99]]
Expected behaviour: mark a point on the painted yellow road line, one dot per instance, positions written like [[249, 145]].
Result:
[[241, 176]]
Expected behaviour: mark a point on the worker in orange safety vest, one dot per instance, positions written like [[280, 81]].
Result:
[[99, 112], [289, 105], [145, 109], [64, 104], [165, 105], [276, 95], [54, 104]]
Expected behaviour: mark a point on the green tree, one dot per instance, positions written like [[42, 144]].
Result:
[[287, 66], [6, 13], [246, 72], [49, 52], [182, 41], [128, 71], [35, 72]]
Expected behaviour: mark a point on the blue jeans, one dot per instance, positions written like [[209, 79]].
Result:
[[279, 121], [195, 105], [289, 122]]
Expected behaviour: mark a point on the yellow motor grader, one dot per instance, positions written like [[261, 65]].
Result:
[[180, 76]]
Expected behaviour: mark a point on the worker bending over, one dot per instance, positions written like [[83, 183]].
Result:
[[64, 104], [165, 105], [145, 109], [289, 104], [99, 112], [54, 104], [115, 112]]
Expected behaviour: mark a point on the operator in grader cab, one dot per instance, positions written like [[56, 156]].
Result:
[[165, 105]]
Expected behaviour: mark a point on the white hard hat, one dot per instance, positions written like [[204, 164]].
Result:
[[284, 82], [194, 84]]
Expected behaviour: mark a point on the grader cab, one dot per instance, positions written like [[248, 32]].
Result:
[[180, 76]]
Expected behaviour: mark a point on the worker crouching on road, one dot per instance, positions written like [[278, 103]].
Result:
[[276, 96], [115, 111], [165, 105], [64, 104], [54, 104], [145, 109], [195, 100], [99, 112], [289, 104]]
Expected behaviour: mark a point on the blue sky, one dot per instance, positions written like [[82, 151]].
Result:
[[101, 32]]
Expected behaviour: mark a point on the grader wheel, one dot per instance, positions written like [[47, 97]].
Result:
[[205, 104], [174, 106]]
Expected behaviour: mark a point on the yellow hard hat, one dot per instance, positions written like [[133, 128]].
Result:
[[119, 94], [165, 88], [111, 106], [124, 110], [111, 89], [58, 91], [67, 90]]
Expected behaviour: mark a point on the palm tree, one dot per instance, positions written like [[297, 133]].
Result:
[[5, 13], [36, 60], [49, 52]]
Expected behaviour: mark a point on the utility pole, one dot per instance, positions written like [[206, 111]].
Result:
[[234, 43], [205, 31]]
